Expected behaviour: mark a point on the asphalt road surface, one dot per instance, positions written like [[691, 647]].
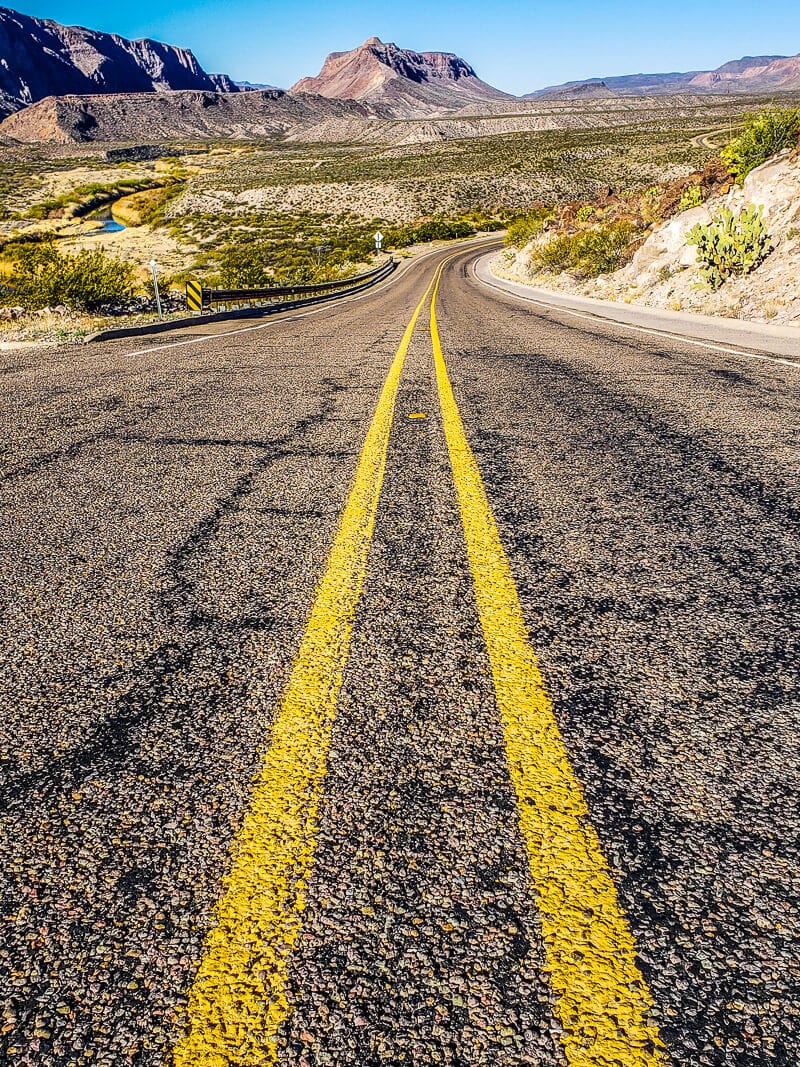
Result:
[[381, 690]]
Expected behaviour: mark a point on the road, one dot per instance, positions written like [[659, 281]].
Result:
[[382, 690]]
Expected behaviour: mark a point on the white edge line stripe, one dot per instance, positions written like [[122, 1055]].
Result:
[[638, 329]]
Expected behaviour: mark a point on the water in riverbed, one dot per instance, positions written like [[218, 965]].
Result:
[[109, 223]]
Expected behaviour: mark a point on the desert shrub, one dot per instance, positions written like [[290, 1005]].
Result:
[[436, 229], [480, 220], [764, 134], [41, 276], [691, 197], [665, 273], [245, 265], [587, 253], [730, 244], [584, 213], [527, 226], [442, 230], [259, 264]]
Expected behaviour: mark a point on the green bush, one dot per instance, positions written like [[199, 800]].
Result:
[[764, 134], [730, 244], [259, 265], [436, 229], [481, 221], [442, 230], [245, 265], [41, 276], [692, 197], [526, 227], [588, 253]]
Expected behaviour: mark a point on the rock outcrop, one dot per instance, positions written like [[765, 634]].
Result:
[[664, 271], [404, 82], [41, 58]]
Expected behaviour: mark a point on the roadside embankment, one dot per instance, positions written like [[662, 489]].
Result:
[[665, 271]]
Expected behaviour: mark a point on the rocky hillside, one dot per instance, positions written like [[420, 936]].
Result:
[[179, 116], [136, 118], [758, 74], [408, 83], [750, 74], [40, 58], [664, 272]]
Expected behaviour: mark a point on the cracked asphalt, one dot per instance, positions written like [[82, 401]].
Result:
[[166, 519]]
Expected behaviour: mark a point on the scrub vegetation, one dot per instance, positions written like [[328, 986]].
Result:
[[41, 276], [283, 211], [589, 252], [764, 135]]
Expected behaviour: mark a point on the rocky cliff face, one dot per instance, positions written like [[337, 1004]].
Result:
[[408, 83], [40, 58]]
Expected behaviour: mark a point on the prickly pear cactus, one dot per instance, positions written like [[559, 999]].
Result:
[[730, 244]]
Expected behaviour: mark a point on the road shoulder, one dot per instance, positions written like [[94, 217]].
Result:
[[730, 334]]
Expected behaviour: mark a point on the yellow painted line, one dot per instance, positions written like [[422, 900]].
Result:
[[601, 999], [238, 1000]]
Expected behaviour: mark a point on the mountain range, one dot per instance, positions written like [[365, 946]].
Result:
[[750, 74], [70, 83]]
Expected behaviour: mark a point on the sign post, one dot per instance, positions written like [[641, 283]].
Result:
[[378, 241], [154, 269]]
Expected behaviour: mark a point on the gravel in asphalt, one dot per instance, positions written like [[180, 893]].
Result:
[[648, 498], [165, 521]]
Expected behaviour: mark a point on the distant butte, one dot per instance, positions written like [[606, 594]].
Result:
[[406, 83]]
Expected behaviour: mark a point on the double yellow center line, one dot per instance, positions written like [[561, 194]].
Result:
[[238, 1002]]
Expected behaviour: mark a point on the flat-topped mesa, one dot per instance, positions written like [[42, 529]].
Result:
[[418, 66], [408, 82]]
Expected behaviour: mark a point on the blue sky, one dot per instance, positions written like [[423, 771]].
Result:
[[514, 45]]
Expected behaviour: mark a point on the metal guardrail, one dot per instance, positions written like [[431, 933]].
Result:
[[202, 299]]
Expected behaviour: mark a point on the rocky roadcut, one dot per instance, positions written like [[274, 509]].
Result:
[[172, 516], [665, 272]]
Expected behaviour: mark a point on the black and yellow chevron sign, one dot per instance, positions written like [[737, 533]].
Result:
[[194, 296]]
